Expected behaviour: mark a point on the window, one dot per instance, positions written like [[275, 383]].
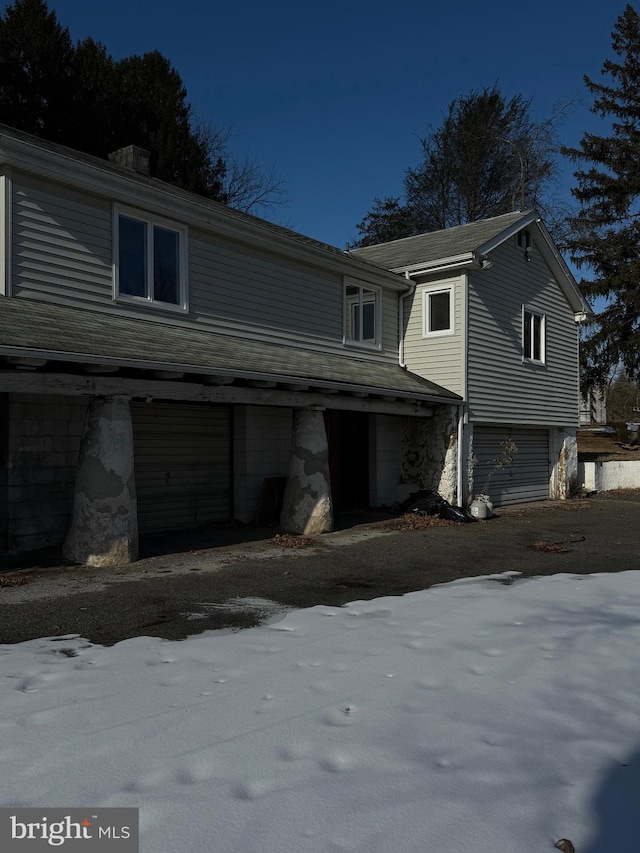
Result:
[[150, 257], [437, 312], [533, 336], [362, 314], [523, 239]]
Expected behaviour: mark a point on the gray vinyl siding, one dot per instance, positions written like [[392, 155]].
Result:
[[501, 387], [440, 358], [235, 283], [61, 244], [62, 252], [390, 324]]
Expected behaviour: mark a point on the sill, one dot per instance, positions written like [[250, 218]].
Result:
[[363, 345], [445, 333], [534, 362], [142, 302]]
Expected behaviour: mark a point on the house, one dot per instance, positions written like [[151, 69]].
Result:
[[493, 315], [163, 358], [593, 406]]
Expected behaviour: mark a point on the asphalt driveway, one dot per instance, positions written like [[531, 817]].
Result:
[[207, 583]]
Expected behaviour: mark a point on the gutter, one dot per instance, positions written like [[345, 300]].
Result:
[[459, 486], [437, 265]]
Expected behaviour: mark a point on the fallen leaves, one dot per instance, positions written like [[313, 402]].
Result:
[[413, 521], [290, 540], [13, 581], [565, 845], [549, 548]]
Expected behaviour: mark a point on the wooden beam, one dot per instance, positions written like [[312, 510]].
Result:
[[23, 382]]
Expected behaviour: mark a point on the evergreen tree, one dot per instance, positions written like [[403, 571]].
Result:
[[36, 55], [605, 233], [488, 157], [154, 114], [76, 95]]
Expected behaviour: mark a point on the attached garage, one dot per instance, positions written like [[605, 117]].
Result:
[[182, 464], [526, 478]]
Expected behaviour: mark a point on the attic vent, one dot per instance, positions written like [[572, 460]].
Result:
[[132, 157]]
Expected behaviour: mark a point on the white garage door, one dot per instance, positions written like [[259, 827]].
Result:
[[526, 478], [182, 464]]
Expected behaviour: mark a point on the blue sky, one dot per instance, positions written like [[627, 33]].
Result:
[[336, 95]]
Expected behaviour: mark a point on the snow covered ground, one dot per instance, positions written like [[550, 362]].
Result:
[[475, 717]]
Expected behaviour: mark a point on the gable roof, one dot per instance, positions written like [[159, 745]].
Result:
[[448, 243], [30, 328], [464, 245]]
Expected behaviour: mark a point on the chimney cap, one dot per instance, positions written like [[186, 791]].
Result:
[[132, 157]]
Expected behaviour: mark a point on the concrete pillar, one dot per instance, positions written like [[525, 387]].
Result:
[[104, 521], [307, 504]]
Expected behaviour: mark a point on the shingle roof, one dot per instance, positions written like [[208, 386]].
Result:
[[79, 335], [435, 245]]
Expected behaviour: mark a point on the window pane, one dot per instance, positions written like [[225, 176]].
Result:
[[527, 334], [352, 308], [537, 337], [369, 321], [165, 266], [132, 260], [439, 312]]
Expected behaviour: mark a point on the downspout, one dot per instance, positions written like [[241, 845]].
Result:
[[459, 495], [410, 292]]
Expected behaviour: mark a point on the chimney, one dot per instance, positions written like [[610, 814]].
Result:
[[132, 157]]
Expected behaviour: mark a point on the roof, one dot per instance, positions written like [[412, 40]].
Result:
[[465, 244], [40, 329], [437, 245], [31, 153]]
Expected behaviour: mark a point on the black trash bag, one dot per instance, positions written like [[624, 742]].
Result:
[[424, 503], [455, 513]]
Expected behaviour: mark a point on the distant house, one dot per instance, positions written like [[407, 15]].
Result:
[[494, 316], [162, 356], [593, 407]]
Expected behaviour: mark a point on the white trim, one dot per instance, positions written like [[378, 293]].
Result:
[[427, 293], [6, 193], [530, 359], [350, 302], [150, 221], [440, 263]]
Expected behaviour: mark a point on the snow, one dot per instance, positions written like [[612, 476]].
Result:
[[484, 715]]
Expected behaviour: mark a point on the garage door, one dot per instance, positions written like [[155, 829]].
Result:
[[526, 478], [182, 464]]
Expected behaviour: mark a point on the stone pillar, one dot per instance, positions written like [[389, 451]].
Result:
[[307, 504], [430, 458], [104, 521], [563, 449]]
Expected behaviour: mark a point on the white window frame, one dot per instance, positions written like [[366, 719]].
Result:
[[150, 221], [351, 302], [427, 293], [528, 317]]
